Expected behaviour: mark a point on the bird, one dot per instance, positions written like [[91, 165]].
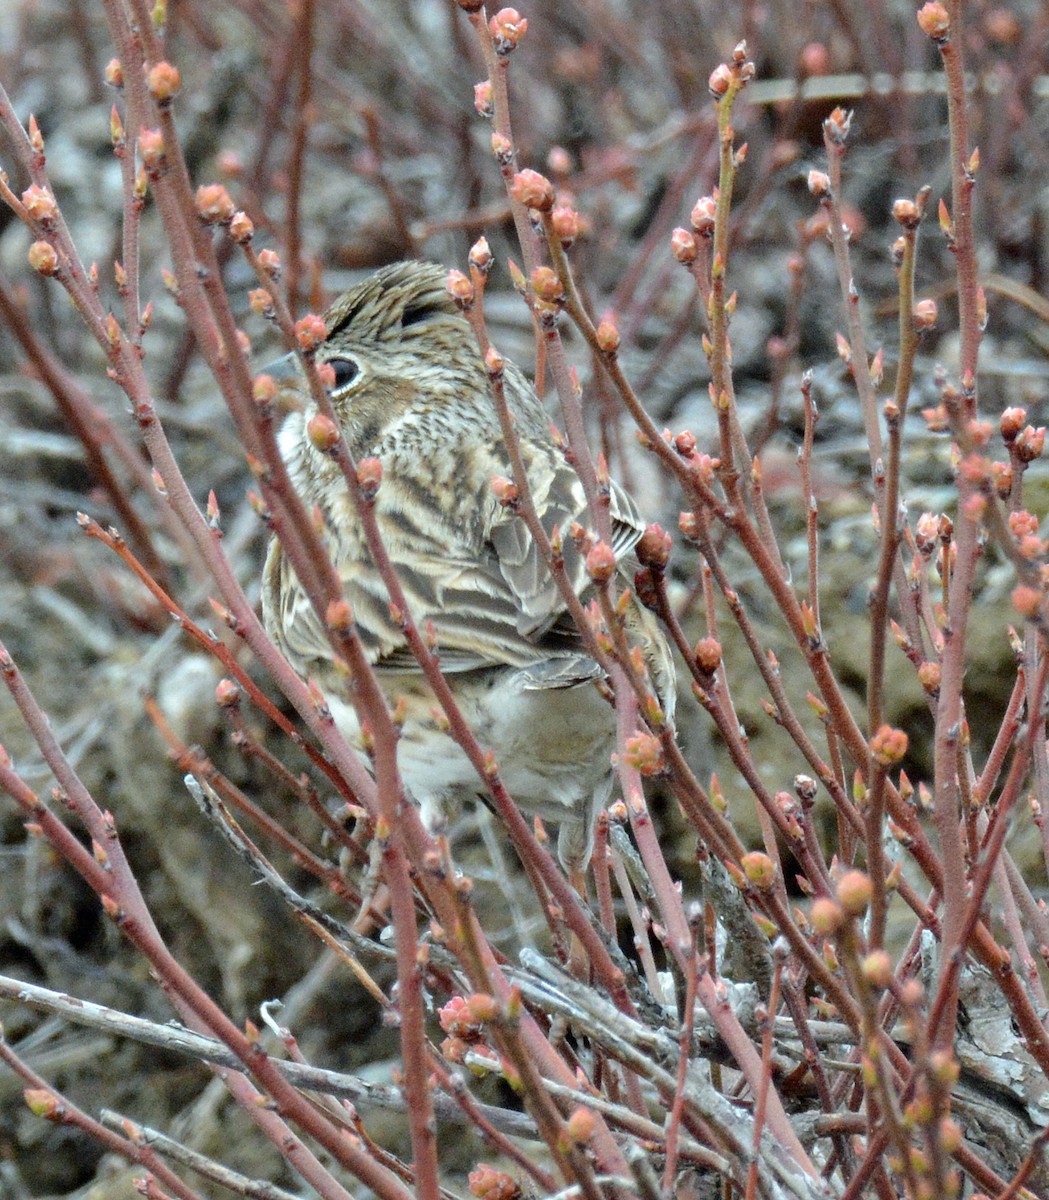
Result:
[[411, 390]]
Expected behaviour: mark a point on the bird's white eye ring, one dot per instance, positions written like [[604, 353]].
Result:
[[346, 371]]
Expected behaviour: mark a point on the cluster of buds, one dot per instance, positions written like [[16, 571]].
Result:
[[1030, 443], [310, 332], [463, 1019], [486, 1183], [731, 75], [888, 746], [644, 753], [1024, 527]]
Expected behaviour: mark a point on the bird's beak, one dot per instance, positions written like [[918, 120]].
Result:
[[288, 375], [284, 370]]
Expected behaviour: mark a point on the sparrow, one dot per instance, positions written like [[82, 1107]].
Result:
[[410, 389]]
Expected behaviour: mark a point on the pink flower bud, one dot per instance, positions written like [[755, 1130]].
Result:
[[708, 654], [164, 82], [644, 753], [759, 869], [507, 28], [566, 224], [40, 204], [533, 190], [607, 337], [1027, 601], [547, 285], [819, 183], [481, 257], [720, 80], [43, 258], [702, 216], [505, 491], [269, 261], [261, 302], [310, 332], [905, 212], [1011, 422], [151, 147], [601, 562], [826, 916], [854, 892], [581, 1125], [339, 616], [369, 477], [460, 289], [483, 99], [486, 1183], [264, 389], [322, 432], [923, 315], [1030, 443], [214, 204], [888, 745], [241, 228], [653, 547], [934, 21], [683, 246], [503, 149]]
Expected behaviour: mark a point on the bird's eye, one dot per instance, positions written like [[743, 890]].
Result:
[[346, 371]]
